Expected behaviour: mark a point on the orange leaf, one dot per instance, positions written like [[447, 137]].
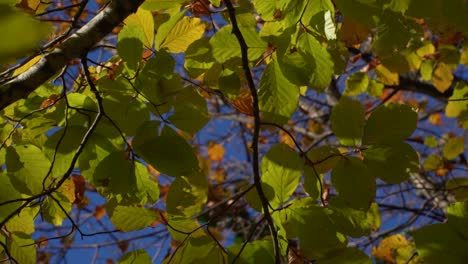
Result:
[[216, 152], [435, 119], [99, 212], [80, 187], [286, 139], [243, 102]]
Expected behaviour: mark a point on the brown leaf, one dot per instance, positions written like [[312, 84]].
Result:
[[99, 212], [243, 102]]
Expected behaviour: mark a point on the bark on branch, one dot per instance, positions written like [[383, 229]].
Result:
[[73, 47]]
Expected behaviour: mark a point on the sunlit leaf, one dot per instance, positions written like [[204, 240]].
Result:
[[277, 97], [187, 195], [18, 250], [143, 19], [281, 170], [356, 83], [178, 36]]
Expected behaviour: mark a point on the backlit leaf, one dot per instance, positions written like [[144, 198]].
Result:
[[347, 120], [281, 169], [390, 123], [143, 19], [354, 182], [128, 218], [442, 77], [356, 83], [454, 147], [179, 35], [136, 256], [277, 97]]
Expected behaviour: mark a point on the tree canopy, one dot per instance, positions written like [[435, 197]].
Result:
[[234, 131]]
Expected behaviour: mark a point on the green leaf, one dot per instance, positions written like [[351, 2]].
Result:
[[354, 222], [257, 251], [8, 193], [359, 10], [322, 63], [441, 243], [128, 218], [454, 147], [312, 182], [317, 240], [176, 37], [458, 102], [354, 182], [21, 253], [347, 255], [147, 188], [433, 162], [139, 256], [13, 44], [319, 18], [347, 121], [324, 158], [167, 152], [155, 5], [130, 44], [52, 211], [22, 222], [64, 152], [431, 141], [281, 169], [27, 167], [278, 98], [127, 113], [391, 163], [144, 20], [190, 111], [393, 33], [375, 88], [459, 188], [198, 57], [117, 172], [390, 123], [187, 195], [198, 249], [225, 45], [356, 84], [160, 67]]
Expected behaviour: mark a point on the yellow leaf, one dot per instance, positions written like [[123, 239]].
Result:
[[27, 65], [353, 32], [216, 152], [425, 50], [442, 77], [394, 249], [186, 31], [464, 55], [386, 76], [285, 138], [143, 19], [68, 190]]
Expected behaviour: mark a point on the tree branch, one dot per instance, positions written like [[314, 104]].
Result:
[[256, 171], [74, 47]]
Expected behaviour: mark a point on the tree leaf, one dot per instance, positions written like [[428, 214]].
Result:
[[155, 5], [130, 44], [143, 19], [356, 84], [459, 188], [128, 218], [458, 102], [317, 240], [390, 123], [257, 251], [52, 211], [354, 183], [454, 147], [190, 111], [27, 167], [281, 169], [347, 121], [187, 195], [20, 252], [392, 163], [178, 36], [442, 77], [167, 152], [324, 158], [277, 97], [347, 255], [198, 249], [136, 256]]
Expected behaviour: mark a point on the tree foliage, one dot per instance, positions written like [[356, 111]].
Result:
[[313, 131]]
